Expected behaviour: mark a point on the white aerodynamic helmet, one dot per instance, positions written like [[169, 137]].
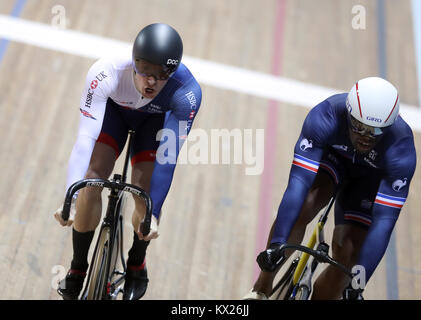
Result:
[[374, 102]]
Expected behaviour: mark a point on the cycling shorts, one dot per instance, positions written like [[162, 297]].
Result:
[[118, 120], [356, 186]]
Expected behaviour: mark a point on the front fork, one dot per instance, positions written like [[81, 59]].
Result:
[[307, 277]]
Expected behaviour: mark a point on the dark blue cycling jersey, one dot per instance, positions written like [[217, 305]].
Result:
[[393, 157]]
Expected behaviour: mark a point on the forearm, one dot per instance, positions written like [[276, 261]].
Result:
[[160, 185], [375, 245]]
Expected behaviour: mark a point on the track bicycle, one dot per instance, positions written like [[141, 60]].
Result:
[[105, 281], [296, 282]]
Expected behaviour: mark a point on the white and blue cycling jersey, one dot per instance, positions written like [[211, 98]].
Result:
[[111, 104]]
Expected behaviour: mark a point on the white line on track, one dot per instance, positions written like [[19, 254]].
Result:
[[416, 23], [210, 73]]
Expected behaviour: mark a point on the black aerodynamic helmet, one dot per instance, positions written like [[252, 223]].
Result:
[[159, 43]]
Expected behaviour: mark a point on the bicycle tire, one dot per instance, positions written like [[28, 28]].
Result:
[[116, 278], [303, 293], [284, 283], [121, 205], [290, 290], [98, 280], [116, 249]]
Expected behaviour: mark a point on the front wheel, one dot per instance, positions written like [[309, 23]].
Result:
[[303, 293], [283, 288], [98, 280]]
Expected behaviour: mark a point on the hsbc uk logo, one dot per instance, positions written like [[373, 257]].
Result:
[[101, 76], [193, 108], [94, 84]]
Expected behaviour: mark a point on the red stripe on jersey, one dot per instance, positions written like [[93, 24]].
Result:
[[388, 204], [304, 166], [356, 218]]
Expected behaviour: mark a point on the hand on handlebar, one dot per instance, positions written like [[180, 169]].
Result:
[[153, 233], [270, 259], [59, 218]]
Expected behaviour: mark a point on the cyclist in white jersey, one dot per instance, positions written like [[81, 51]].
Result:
[[146, 90]]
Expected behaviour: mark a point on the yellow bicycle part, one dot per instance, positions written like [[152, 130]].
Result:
[[304, 256]]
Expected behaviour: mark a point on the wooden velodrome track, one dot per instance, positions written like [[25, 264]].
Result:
[[211, 226]]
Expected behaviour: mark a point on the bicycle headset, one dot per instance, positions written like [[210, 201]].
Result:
[[373, 106], [160, 44]]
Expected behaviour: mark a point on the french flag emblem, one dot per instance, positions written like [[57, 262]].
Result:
[[305, 163], [389, 201]]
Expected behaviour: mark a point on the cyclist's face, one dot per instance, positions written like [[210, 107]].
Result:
[[362, 143], [362, 136], [149, 78]]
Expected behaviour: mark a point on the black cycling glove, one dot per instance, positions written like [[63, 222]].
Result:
[[270, 259]]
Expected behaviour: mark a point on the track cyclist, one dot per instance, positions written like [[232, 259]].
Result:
[[357, 145], [145, 89]]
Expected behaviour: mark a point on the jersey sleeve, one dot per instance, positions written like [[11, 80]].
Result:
[[390, 198], [177, 126], [317, 130], [98, 87]]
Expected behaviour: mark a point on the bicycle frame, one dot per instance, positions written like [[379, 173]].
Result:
[[297, 280], [317, 234], [112, 219], [112, 222]]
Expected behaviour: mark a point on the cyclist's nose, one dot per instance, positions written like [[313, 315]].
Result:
[[151, 80]]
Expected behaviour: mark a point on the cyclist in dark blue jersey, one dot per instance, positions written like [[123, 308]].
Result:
[[357, 145]]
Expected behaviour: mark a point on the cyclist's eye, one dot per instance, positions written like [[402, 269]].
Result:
[[164, 76]]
